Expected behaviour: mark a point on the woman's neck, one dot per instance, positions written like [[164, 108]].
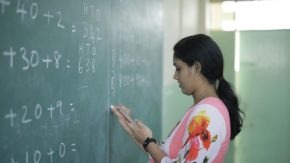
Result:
[[204, 92]]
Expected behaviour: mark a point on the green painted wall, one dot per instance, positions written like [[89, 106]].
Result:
[[265, 92], [226, 42]]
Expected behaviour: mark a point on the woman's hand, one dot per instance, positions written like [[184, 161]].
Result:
[[135, 129], [140, 131], [118, 111]]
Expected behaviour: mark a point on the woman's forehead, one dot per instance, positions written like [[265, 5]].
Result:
[[177, 61]]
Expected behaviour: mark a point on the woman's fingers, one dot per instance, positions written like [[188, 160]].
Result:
[[130, 127], [122, 120], [140, 124], [140, 131], [115, 111], [126, 127], [145, 128], [123, 109]]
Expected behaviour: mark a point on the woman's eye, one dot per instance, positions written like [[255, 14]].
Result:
[[178, 69]]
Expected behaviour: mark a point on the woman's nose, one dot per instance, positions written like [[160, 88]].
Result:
[[175, 76]]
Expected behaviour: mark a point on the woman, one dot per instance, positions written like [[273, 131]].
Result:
[[204, 133]]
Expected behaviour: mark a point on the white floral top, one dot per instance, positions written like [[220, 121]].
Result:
[[202, 136]]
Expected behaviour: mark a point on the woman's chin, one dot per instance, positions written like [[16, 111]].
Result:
[[184, 91]]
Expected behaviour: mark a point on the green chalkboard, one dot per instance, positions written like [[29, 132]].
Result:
[[62, 63]]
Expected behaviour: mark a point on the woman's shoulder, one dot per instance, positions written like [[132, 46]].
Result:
[[214, 101], [211, 105], [214, 111]]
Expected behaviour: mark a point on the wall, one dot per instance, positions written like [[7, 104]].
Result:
[[182, 18], [265, 93]]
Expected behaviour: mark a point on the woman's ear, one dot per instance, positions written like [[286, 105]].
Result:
[[197, 67]]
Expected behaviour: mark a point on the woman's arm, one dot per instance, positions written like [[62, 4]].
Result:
[[124, 122], [141, 132], [138, 133]]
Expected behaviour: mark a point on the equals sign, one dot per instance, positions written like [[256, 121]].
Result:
[[67, 66], [73, 147], [73, 29], [72, 107]]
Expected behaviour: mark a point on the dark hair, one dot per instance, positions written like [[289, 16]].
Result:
[[201, 48]]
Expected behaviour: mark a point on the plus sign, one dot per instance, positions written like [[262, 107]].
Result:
[[11, 115], [4, 3], [51, 109], [47, 61], [48, 15], [50, 153], [10, 53]]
